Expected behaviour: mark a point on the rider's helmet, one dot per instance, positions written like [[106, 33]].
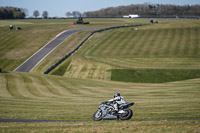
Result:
[[116, 95]]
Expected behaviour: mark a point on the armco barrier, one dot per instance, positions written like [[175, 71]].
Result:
[[73, 51]]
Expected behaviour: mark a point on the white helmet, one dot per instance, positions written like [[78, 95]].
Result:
[[116, 95]]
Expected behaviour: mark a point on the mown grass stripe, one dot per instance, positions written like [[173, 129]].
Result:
[[148, 45], [49, 86], [59, 87], [131, 44], [97, 48], [195, 42], [165, 42], [66, 88], [70, 86], [142, 42], [140, 39], [109, 41], [157, 45], [31, 88], [118, 44], [187, 41], [121, 43], [182, 42], [22, 87], [173, 40], [5, 38], [4, 91], [11, 86], [41, 86], [55, 88], [177, 46]]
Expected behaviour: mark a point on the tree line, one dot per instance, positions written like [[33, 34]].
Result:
[[140, 9], [45, 14], [12, 13], [147, 10]]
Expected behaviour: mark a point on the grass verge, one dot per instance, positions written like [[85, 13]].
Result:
[[62, 69], [104, 126], [153, 75]]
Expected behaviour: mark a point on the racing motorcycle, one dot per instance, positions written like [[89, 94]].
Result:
[[106, 110]]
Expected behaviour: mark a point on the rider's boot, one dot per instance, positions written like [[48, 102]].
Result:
[[116, 108]]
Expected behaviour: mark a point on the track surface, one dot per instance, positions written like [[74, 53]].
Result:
[[36, 58], [29, 120]]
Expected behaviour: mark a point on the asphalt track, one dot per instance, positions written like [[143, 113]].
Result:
[[31, 120], [36, 58]]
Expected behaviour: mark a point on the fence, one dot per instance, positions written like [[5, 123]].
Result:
[[73, 51]]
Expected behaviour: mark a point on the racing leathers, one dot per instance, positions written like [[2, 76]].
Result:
[[117, 101]]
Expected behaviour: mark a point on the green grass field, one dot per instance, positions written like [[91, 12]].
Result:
[[17, 45], [85, 79], [105, 126], [168, 45], [33, 96]]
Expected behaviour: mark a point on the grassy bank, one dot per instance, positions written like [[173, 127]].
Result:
[[153, 75], [167, 45], [17, 45], [33, 96]]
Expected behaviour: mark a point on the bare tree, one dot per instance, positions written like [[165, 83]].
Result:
[[45, 14], [76, 14], [68, 14], [36, 13], [25, 11]]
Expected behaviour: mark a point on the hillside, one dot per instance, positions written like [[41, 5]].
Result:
[[75, 88], [36, 96], [17, 45], [169, 48]]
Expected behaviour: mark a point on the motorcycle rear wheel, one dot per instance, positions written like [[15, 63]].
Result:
[[97, 116], [127, 115]]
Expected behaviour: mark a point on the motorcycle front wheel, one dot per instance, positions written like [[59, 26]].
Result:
[[97, 116], [127, 115]]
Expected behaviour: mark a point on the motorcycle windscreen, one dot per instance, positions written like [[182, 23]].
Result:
[[126, 105]]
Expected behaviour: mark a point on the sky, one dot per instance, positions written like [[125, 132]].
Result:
[[58, 8]]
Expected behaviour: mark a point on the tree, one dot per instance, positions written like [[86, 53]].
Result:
[[68, 14], [76, 14], [25, 11], [146, 10], [45, 14], [36, 13], [11, 13]]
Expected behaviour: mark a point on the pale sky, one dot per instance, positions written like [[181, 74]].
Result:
[[60, 7]]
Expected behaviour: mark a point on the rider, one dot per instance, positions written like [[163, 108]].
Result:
[[117, 100]]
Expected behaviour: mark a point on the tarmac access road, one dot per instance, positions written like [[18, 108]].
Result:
[[37, 57]]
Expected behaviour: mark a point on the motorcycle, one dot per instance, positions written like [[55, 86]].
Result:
[[107, 111]]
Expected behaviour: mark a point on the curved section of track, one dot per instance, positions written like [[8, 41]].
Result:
[[36, 58]]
